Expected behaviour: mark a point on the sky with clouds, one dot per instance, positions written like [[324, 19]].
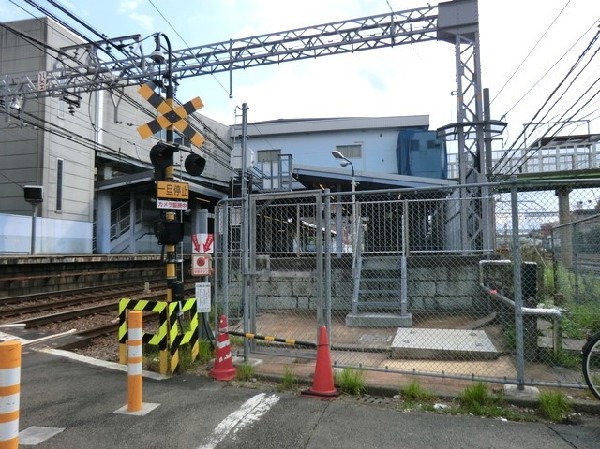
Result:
[[527, 47]]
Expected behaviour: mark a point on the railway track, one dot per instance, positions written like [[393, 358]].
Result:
[[87, 315], [43, 302]]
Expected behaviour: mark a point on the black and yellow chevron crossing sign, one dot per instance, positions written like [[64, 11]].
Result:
[[169, 116]]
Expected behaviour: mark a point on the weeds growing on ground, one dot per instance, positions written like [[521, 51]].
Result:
[[478, 400], [351, 381], [476, 395], [554, 406], [244, 373], [206, 352], [150, 357], [289, 380], [414, 393], [185, 359]]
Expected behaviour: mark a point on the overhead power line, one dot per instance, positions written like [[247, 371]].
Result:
[[217, 142], [574, 72], [531, 51]]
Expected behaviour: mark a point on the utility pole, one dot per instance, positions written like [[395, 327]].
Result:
[[245, 231]]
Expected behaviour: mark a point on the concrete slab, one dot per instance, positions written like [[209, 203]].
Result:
[[366, 319], [426, 343], [253, 362], [35, 435], [512, 391], [147, 407], [238, 361], [501, 367]]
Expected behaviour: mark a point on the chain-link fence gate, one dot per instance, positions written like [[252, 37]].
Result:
[[406, 281]]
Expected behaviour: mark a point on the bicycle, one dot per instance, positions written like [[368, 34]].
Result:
[[590, 363]]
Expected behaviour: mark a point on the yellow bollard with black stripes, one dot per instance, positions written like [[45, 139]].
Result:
[[169, 336]]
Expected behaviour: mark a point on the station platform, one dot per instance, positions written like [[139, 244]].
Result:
[[24, 274]]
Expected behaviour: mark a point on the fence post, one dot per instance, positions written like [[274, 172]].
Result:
[[319, 258], [403, 259], [516, 250], [222, 257], [327, 269], [575, 258], [10, 393]]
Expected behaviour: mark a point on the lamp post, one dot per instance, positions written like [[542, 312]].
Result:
[[344, 163], [355, 274], [34, 195]]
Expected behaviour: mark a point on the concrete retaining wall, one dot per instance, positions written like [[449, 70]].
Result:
[[444, 283]]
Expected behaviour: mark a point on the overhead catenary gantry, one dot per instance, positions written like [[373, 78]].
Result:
[[80, 69]]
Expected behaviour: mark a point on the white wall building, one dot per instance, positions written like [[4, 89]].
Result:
[[86, 153]]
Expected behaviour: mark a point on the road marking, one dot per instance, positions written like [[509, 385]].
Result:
[[98, 362], [249, 413]]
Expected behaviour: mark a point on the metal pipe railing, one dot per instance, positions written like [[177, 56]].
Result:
[[554, 314]]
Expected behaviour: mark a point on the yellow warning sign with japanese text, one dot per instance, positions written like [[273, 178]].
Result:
[[173, 190]]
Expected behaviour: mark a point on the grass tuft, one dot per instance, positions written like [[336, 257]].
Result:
[[415, 392], [206, 351], [554, 406], [351, 381], [476, 395], [289, 380], [244, 373]]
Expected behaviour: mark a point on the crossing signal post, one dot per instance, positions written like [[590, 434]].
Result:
[[172, 196], [168, 231], [161, 156]]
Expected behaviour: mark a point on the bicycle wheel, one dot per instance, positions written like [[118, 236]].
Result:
[[591, 364]]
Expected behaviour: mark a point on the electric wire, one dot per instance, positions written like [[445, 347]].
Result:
[[213, 75], [530, 52], [504, 160], [130, 100], [135, 103], [185, 42], [547, 71]]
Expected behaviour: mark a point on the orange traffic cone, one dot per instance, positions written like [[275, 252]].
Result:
[[323, 382], [223, 368]]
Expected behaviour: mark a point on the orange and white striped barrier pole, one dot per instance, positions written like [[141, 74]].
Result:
[[10, 393], [134, 361]]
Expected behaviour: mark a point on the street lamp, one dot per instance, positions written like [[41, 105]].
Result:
[[344, 163], [34, 195]]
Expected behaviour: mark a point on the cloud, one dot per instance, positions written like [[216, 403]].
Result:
[[128, 5], [146, 21]]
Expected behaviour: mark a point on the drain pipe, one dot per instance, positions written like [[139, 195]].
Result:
[[554, 314]]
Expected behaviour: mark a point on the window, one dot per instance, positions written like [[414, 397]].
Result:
[[431, 144], [59, 184], [565, 162], [548, 163], [350, 151]]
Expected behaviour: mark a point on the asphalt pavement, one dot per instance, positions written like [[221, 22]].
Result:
[[73, 402]]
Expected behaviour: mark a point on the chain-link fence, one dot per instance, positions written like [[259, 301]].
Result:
[[419, 280], [575, 250]]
